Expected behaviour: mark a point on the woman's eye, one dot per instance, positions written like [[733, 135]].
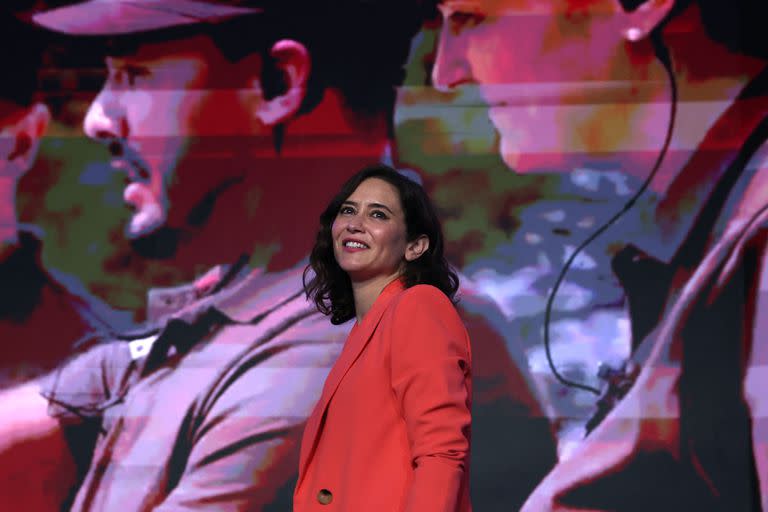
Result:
[[346, 210], [377, 214]]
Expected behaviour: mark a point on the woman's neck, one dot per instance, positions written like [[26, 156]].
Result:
[[366, 292]]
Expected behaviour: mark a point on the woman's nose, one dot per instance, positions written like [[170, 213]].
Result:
[[354, 224]]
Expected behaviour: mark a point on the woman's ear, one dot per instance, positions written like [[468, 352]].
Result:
[[292, 64], [416, 248], [643, 17]]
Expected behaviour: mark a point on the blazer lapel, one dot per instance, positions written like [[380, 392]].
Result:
[[353, 347]]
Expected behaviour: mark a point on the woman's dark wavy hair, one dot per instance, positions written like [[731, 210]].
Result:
[[330, 288]]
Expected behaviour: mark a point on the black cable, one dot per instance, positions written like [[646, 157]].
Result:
[[662, 53]]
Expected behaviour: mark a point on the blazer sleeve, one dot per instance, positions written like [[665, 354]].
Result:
[[430, 365]]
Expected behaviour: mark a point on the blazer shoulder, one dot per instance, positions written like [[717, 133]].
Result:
[[421, 301], [423, 294], [425, 319]]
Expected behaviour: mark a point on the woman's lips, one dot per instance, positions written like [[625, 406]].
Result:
[[351, 245]]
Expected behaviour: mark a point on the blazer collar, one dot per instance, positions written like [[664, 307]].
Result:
[[356, 341]]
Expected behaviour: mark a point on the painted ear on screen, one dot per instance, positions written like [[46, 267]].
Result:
[[292, 63], [26, 134], [643, 16]]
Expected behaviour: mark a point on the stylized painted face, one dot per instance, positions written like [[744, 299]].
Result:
[[9, 173], [175, 128], [369, 233], [553, 72], [8, 119], [21, 129]]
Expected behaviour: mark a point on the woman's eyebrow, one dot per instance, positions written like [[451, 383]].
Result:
[[380, 205], [370, 205]]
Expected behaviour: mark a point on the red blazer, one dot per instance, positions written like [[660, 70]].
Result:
[[391, 431]]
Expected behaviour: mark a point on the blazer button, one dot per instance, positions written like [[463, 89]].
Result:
[[324, 497]]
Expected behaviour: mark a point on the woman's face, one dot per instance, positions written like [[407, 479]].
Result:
[[369, 233]]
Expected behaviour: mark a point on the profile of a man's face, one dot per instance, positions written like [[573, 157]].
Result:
[[173, 126], [9, 117], [23, 119], [551, 72], [193, 112]]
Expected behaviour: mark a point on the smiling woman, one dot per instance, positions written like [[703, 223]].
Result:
[[370, 241], [392, 425], [394, 220]]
